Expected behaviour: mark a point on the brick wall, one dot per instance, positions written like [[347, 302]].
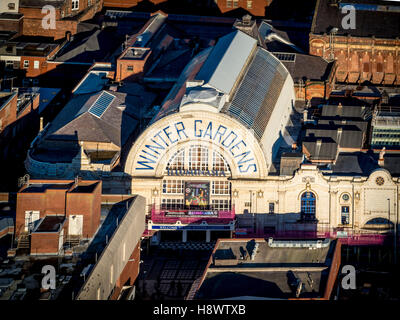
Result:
[[361, 59], [67, 19], [45, 243], [255, 7], [88, 205], [53, 202], [8, 114], [12, 25], [129, 69], [121, 3], [129, 274]]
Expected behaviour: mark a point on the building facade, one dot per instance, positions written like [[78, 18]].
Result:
[[68, 14], [365, 52]]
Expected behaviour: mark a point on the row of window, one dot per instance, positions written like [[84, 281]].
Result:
[[197, 160], [308, 206], [389, 143], [235, 4], [384, 135], [175, 204], [177, 186]]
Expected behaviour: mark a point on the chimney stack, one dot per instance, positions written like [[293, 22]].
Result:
[[381, 160]]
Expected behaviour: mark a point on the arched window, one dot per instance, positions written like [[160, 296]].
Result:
[[177, 161], [378, 223], [308, 206]]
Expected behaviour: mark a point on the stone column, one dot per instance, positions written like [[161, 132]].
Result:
[[208, 235]]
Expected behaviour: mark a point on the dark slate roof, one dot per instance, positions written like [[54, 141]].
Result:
[[41, 3], [11, 15], [345, 111], [50, 224], [392, 164], [337, 120], [364, 163], [89, 45], [75, 123], [369, 20], [290, 162], [356, 163], [351, 136], [308, 66], [320, 148]]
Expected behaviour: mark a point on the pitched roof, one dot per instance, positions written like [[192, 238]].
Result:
[[308, 66], [226, 60], [346, 136], [373, 18], [75, 122], [258, 92], [320, 148]]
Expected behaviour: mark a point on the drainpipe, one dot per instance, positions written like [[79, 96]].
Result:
[[352, 210]]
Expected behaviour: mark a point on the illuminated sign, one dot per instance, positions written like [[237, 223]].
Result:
[[203, 213], [194, 130], [197, 194], [211, 173], [189, 227]]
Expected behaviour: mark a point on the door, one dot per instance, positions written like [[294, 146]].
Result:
[[75, 225], [31, 218]]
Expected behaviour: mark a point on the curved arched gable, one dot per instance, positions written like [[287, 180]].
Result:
[[157, 144]]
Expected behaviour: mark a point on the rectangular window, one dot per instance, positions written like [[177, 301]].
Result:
[[247, 204], [271, 208], [177, 161], [124, 252], [11, 6], [26, 64], [249, 4], [221, 204], [75, 4], [235, 3], [171, 204], [9, 64], [198, 158], [219, 163], [129, 68], [229, 3], [173, 187], [112, 274], [221, 187], [36, 64], [345, 214]]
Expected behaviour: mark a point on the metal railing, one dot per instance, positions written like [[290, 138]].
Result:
[[192, 215]]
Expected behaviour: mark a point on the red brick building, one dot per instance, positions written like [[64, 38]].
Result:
[[68, 14], [368, 52], [14, 105], [52, 212], [255, 7]]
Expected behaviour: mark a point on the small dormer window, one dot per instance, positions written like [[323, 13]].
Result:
[[75, 4]]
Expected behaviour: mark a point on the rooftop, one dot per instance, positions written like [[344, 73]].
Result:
[[50, 224], [226, 61], [269, 269], [374, 18]]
